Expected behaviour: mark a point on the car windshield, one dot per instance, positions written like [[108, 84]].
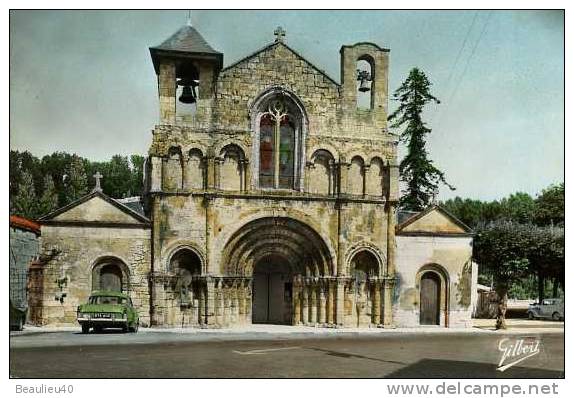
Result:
[[107, 300]]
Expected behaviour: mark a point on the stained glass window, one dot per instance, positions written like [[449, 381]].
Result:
[[266, 152], [286, 152], [277, 143]]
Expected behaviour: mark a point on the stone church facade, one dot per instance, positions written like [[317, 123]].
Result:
[[270, 197]]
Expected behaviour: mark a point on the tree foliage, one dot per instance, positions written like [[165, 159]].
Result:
[[59, 178], [550, 206], [499, 249], [24, 202], [417, 171]]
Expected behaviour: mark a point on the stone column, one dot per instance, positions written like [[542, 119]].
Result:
[[249, 300], [241, 301], [330, 302], [210, 301], [390, 275], [309, 166], [305, 313], [322, 306], [313, 303], [332, 170], [246, 187], [296, 301], [377, 302], [217, 172], [367, 180], [340, 305]]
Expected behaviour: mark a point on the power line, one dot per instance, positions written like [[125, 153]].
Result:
[[471, 55], [461, 48], [460, 79]]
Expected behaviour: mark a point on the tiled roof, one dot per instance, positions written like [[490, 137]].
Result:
[[187, 39], [24, 223]]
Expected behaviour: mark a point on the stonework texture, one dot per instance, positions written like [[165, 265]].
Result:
[[227, 244]]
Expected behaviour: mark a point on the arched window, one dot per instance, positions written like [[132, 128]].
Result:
[[195, 170], [173, 170], [321, 178], [231, 169], [279, 143]]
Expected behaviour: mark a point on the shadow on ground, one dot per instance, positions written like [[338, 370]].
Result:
[[438, 368]]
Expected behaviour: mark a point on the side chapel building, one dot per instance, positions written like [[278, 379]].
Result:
[[270, 197]]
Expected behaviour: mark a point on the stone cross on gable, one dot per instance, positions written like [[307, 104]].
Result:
[[98, 177], [279, 34], [434, 200]]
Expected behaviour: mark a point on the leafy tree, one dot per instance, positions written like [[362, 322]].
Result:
[[417, 170], [545, 252], [57, 165], [499, 250], [549, 208], [137, 167], [48, 201], [24, 162], [24, 202], [75, 180], [518, 207]]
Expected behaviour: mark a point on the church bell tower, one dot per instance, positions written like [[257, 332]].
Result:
[[186, 67]]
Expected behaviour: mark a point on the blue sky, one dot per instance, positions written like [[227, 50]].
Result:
[[83, 82]]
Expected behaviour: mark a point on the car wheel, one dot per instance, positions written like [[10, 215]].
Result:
[[85, 329], [530, 315], [98, 329], [556, 316], [126, 328]]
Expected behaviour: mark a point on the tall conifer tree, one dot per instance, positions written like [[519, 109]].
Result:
[[417, 171]]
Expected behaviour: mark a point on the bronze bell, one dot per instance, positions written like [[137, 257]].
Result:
[[364, 86], [187, 95], [364, 77]]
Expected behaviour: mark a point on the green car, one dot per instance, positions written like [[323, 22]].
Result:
[[108, 310]]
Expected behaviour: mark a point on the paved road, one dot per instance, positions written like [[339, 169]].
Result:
[[169, 355]]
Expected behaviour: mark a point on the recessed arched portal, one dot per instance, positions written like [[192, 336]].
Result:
[[275, 252], [272, 290]]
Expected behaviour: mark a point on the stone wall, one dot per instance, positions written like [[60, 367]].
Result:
[[24, 247], [68, 275], [451, 256]]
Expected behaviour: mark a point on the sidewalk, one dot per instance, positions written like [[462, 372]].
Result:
[[481, 326], [522, 325]]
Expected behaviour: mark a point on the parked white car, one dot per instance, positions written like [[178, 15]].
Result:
[[550, 309]]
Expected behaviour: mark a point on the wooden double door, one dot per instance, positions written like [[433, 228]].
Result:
[[272, 292]]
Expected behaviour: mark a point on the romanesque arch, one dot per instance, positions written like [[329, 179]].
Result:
[[172, 178], [110, 274], [231, 170], [356, 179], [321, 173], [289, 265], [270, 235], [195, 169]]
